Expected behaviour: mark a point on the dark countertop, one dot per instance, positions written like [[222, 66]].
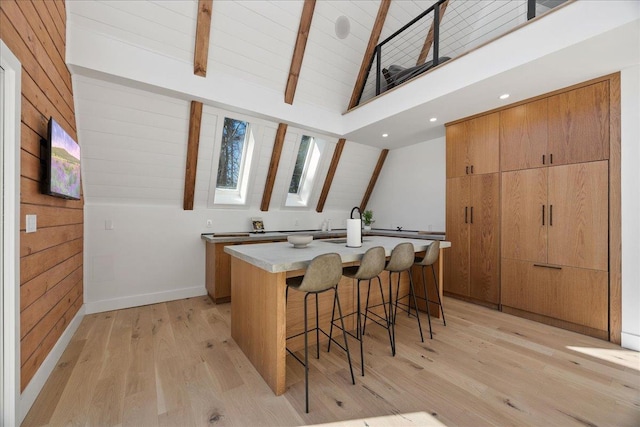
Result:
[[227, 237]]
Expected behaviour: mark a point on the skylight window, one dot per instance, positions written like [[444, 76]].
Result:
[[302, 161], [232, 153], [236, 145], [303, 175]]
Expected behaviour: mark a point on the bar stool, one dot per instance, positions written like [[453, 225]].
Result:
[[429, 259], [324, 273], [401, 260], [371, 265]]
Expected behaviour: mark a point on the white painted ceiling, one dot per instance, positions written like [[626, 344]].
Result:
[[132, 63]]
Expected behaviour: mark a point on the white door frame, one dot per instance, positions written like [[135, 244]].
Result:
[[10, 268]]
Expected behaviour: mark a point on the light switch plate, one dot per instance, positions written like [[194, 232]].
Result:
[[32, 223], [108, 224]]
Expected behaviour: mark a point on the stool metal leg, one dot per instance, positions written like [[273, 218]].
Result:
[[435, 280], [333, 316], [359, 328], [366, 308], [412, 294], [415, 303], [426, 299], [344, 334], [384, 307], [392, 320], [306, 356], [317, 331]]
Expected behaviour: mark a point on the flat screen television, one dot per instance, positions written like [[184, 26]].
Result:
[[60, 160]]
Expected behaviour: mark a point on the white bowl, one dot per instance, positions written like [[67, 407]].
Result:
[[300, 240]]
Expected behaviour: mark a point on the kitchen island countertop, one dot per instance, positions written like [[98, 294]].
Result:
[[282, 256]]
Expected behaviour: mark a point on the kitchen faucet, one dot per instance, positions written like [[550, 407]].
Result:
[[355, 209], [360, 215]]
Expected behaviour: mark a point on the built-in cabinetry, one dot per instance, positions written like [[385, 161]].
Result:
[[473, 146], [531, 234], [570, 127], [555, 243], [473, 268], [473, 206]]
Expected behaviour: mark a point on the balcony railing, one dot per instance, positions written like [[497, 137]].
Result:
[[444, 31]]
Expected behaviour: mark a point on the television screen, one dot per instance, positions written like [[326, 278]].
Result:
[[61, 164]]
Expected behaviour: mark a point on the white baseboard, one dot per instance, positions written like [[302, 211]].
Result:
[[144, 299], [631, 341], [32, 390]]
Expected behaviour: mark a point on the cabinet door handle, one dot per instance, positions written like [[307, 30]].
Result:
[[542, 214], [466, 170], [472, 171], [551, 158], [553, 267], [472, 213], [543, 159], [465, 215], [550, 215]]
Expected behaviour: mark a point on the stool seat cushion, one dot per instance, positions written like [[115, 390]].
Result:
[[431, 255], [371, 265], [402, 257], [324, 272]]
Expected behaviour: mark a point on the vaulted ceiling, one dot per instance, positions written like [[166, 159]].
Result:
[[134, 82]]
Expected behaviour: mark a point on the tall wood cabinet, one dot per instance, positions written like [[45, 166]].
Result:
[[529, 211], [473, 186], [473, 207]]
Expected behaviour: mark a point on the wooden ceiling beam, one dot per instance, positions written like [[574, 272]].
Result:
[[298, 52], [374, 179], [195, 119], [273, 167], [203, 28], [368, 54], [428, 42], [330, 174]]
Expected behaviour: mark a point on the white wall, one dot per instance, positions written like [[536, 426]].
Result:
[[410, 191], [154, 253], [630, 99]]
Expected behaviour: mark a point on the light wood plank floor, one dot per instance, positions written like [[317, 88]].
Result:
[[174, 364]]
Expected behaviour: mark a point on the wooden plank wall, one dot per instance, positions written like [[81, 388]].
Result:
[[51, 290]]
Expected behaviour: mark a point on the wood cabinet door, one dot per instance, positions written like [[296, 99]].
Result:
[[523, 136], [457, 159], [578, 222], [483, 139], [579, 125], [484, 242], [457, 259], [575, 295], [524, 215]]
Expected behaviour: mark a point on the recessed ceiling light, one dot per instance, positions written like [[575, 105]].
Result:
[[384, 135], [433, 119], [504, 96]]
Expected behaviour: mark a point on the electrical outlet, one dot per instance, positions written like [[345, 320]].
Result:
[[209, 223]]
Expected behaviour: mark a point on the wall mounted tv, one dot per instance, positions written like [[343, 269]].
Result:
[[60, 160]]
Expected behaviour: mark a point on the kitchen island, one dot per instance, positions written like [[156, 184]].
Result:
[[260, 319]]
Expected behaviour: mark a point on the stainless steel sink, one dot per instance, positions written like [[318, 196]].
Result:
[[340, 241]]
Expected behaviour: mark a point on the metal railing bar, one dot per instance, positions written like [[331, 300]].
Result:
[[413, 21]]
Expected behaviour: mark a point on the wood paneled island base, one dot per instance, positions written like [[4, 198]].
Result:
[[259, 319]]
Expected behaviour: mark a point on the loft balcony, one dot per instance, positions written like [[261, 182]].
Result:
[[446, 30]]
